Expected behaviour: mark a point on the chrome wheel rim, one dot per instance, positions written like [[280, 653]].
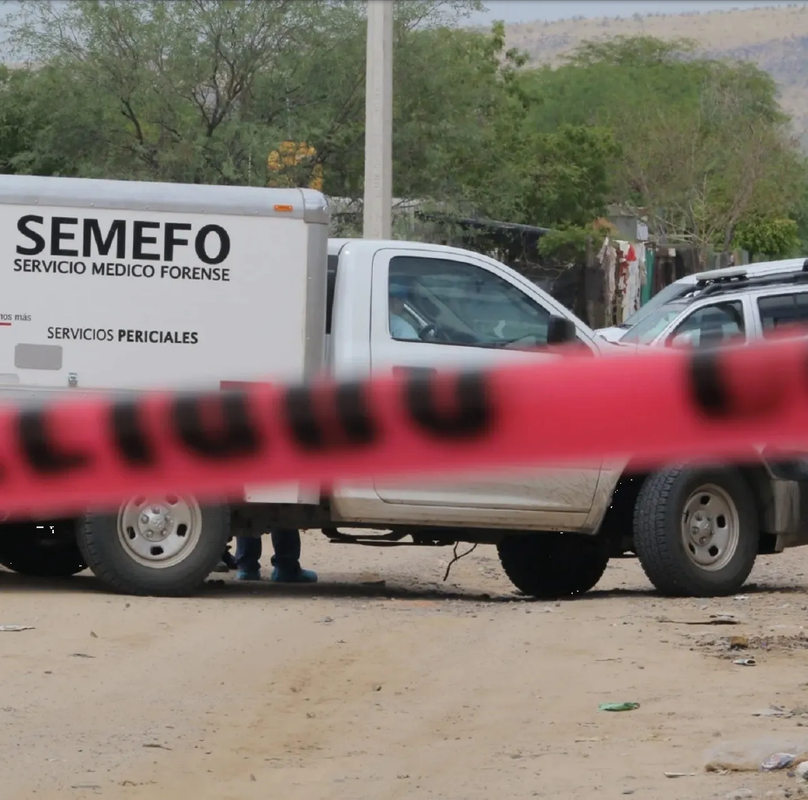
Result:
[[159, 532], [710, 528]]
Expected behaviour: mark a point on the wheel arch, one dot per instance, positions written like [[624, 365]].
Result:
[[617, 522]]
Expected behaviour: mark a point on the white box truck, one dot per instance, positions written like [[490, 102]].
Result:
[[123, 286]]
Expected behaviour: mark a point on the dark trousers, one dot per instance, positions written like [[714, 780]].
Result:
[[285, 542]]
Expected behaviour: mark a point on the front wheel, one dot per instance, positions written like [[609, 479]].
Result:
[[553, 565], [696, 531], [159, 546]]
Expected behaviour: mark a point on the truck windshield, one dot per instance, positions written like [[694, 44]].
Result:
[[646, 330], [671, 292]]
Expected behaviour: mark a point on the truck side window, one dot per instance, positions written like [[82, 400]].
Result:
[[451, 302], [710, 325], [783, 309]]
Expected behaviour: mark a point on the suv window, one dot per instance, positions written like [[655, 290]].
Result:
[[451, 302], [711, 325], [782, 309]]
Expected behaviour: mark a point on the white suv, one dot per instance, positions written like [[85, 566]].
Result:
[[726, 308], [684, 286]]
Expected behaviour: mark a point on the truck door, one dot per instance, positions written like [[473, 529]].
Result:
[[445, 311]]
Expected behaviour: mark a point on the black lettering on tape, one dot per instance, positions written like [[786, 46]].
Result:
[[299, 406], [352, 424], [708, 389], [354, 414], [41, 452], [470, 414], [234, 437], [130, 438]]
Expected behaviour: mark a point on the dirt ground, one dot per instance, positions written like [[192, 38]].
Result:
[[412, 688]]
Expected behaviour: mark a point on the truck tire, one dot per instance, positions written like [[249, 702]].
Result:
[[41, 550], [553, 565], [155, 546], [696, 531]]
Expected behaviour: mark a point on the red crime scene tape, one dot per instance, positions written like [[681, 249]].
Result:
[[664, 406]]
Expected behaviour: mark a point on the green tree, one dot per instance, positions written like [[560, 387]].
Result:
[[771, 236], [630, 51], [701, 144], [18, 125], [184, 111], [505, 167], [203, 90], [798, 211], [704, 170], [32, 112]]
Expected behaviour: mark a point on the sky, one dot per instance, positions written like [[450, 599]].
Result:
[[551, 10], [532, 10]]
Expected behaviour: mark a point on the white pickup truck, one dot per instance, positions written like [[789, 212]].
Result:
[[125, 286]]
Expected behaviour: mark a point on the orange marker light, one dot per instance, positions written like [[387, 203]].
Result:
[[283, 209]]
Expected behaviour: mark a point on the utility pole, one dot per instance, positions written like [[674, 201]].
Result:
[[378, 205]]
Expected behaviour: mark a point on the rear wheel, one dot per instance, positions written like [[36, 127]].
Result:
[[41, 549], [553, 565], [696, 531], [161, 546]]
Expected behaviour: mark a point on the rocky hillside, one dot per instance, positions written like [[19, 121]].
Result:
[[774, 38]]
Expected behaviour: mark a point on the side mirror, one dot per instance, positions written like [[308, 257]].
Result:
[[560, 330]]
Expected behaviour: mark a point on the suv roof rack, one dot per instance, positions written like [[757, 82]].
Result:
[[741, 280], [728, 274]]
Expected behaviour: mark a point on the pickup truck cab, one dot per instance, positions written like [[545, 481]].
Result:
[[122, 286]]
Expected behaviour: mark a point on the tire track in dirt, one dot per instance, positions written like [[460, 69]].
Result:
[[478, 698]]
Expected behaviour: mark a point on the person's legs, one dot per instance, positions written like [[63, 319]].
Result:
[[228, 562], [228, 559], [286, 543], [286, 560], [248, 558]]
